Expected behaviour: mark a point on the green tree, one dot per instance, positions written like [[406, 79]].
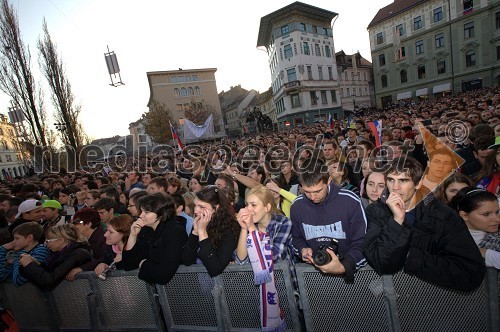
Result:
[[67, 112], [157, 121]]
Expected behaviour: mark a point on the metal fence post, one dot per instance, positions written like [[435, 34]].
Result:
[[391, 303]]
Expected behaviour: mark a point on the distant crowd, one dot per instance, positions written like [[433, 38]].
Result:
[[422, 198]]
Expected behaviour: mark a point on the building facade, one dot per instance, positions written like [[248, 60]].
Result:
[[233, 103], [299, 42], [180, 89], [356, 81], [11, 158], [427, 48]]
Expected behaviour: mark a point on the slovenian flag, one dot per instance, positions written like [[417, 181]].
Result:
[[176, 138], [331, 122], [376, 129]]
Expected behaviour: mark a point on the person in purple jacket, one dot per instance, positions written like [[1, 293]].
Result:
[[325, 212]]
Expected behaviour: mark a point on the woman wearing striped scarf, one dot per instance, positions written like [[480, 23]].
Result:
[[264, 239]]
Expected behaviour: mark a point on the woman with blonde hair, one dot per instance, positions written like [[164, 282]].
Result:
[[265, 238], [69, 250]]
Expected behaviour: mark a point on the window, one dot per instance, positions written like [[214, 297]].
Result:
[[468, 6], [364, 76], [470, 59], [324, 100], [8, 157], [419, 47], [315, 29], [417, 23], [348, 93], [317, 50], [288, 51], [176, 92], [309, 72], [330, 73], [320, 72], [196, 90], [441, 66], [438, 14], [306, 48], [328, 53], [403, 76], [314, 98], [421, 72], [302, 27], [183, 92], [380, 38], [497, 20], [400, 30], [400, 53], [468, 30], [295, 99], [381, 60], [439, 40], [190, 91], [352, 76], [291, 75], [334, 96], [383, 80], [194, 78], [285, 30]]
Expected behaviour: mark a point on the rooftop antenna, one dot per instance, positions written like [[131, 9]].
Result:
[[113, 68]]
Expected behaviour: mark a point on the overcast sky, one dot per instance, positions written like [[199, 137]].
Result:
[[160, 35]]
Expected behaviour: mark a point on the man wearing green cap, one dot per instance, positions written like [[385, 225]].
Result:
[[51, 214]]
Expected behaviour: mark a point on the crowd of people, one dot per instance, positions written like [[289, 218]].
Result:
[[424, 200]]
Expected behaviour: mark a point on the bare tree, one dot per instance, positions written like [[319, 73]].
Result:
[[16, 78], [67, 112]]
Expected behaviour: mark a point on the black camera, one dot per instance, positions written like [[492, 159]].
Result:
[[322, 257]]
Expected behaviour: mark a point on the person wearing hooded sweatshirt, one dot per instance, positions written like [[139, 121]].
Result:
[[325, 212]]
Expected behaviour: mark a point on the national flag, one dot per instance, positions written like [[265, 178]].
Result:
[[376, 129], [176, 138], [331, 122]]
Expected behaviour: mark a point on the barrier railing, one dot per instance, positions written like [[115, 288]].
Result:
[[192, 301]]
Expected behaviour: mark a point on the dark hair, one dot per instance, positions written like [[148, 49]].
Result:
[[227, 179], [122, 224], [160, 181], [469, 199], [88, 215], [111, 192], [313, 175], [105, 203], [406, 165], [161, 204], [135, 196], [454, 177], [179, 200], [259, 170], [28, 228], [223, 220], [490, 167]]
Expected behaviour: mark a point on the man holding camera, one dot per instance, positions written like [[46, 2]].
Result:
[[328, 220]]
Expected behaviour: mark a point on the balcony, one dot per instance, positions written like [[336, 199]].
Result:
[[292, 86]]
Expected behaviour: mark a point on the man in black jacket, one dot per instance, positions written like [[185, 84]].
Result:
[[421, 235]]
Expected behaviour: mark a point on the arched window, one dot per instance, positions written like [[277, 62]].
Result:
[[441, 66], [176, 92], [197, 90], [190, 91], [421, 72], [183, 92], [470, 59], [383, 80], [403, 75]]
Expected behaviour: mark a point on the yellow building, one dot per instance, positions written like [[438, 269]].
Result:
[[179, 89], [11, 164]]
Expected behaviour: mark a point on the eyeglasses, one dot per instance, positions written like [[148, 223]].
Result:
[[130, 205], [47, 241], [75, 222]]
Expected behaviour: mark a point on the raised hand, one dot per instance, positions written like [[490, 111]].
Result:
[[136, 227], [397, 207], [271, 185]]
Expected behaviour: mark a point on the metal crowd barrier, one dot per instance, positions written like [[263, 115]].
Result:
[[192, 301]]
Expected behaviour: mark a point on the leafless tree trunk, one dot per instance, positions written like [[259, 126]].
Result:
[[16, 78], [62, 97]]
